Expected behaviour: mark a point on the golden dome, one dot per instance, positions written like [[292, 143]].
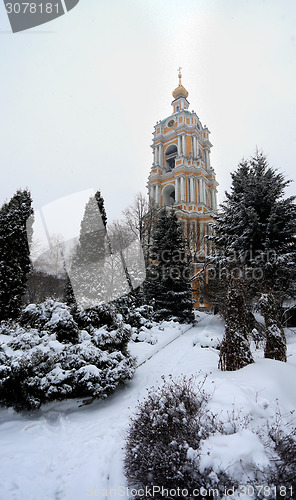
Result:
[[180, 91]]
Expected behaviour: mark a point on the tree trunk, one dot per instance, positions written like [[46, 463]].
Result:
[[275, 346], [235, 351]]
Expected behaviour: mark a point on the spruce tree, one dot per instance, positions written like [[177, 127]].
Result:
[[256, 239], [167, 283], [14, 252]]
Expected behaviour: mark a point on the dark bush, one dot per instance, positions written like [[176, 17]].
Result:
[[285, 464]]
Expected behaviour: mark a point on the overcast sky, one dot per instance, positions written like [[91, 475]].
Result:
[[80, 95]]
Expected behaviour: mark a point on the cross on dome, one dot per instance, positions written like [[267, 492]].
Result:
[[180, 91], [180, 75]]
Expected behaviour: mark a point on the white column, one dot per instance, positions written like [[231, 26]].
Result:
[[192, 189], [176, 188], [214, 200], [179, 145], [154, 156], [184, 144], [160, 155], [151, 193], [182, 189], [196, 191], [157, 194], [207, 160], [204, 191]]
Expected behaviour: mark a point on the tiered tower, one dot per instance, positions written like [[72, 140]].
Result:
[[181, 175]]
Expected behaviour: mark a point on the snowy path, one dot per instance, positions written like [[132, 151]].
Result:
[[71, 453]]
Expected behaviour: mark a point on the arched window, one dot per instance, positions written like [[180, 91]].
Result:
[[170, 155], [169, 195]]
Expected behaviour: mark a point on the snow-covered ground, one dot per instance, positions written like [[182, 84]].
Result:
[[72, 452]]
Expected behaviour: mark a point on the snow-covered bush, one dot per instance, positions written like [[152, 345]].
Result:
[[164, 438], [134, 311], [51, 316], [48, 357], [144, 334], [105, 326], [175, 441], [96, 317]]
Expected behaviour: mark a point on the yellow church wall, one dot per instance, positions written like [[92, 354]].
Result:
[[168, 129]]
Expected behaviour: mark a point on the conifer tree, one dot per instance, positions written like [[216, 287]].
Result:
[[14, 252], [256, 238], [86, 278], [167, 282]]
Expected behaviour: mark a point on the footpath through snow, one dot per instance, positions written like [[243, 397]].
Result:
[[69, 453]]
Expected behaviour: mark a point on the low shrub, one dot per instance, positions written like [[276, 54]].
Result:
[[46, 357], [163, 438], [175, 441]]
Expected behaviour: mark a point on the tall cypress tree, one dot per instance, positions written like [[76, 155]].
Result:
[[86, 280], [14, 252], [167, 282]]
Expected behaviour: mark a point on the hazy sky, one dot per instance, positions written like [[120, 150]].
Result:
[[80, 95]]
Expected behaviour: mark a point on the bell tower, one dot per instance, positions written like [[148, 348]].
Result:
[[181, 175]]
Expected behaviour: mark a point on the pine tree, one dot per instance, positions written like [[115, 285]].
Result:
[[14, 252], [256, 239], [167, 282], [86, 274]]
